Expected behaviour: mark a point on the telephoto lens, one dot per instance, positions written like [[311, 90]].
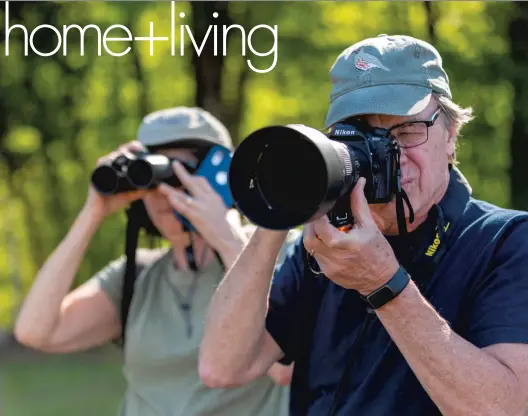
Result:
[[284, 176], [111, 177]]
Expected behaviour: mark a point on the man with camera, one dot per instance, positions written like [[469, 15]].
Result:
[[155, 303], [416, 307]]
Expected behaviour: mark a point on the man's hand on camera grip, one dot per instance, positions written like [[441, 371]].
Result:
[[360, 259]]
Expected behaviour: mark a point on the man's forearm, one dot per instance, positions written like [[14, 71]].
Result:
[[460, 378], [236, 318], [230, 248]]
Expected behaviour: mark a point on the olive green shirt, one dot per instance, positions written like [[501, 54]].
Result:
[[162, 340]]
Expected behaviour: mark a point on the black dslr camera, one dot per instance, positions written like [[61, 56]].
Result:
[[284, 176]]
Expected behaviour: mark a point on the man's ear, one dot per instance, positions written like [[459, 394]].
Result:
[[451, 141]]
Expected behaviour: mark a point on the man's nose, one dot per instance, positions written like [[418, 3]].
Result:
[[403, 156]]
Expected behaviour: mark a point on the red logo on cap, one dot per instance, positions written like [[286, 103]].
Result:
[[365, 61]]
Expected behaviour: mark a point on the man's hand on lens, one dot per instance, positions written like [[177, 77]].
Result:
[[360, 259], [203, 207], [103, 205]]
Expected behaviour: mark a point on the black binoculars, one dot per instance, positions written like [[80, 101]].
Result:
[[133, 171]]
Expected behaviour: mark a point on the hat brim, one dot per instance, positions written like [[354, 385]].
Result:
[[397, 100], [183, 141]]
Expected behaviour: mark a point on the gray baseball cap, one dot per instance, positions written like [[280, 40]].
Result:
[[184, 125], [393, 75]]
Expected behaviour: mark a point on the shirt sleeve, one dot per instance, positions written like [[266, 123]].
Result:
[[288, 247], [284, 300], [111, 278], [500, 309]]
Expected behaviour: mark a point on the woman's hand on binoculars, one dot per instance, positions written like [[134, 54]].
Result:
[[101, 206], [360, 259], [203, 207]]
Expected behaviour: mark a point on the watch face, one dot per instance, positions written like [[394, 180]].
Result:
[[381, 296]]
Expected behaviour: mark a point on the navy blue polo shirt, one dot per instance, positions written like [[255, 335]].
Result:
[[475, 275]]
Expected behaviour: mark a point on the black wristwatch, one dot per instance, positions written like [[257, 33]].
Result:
[[389, 290]]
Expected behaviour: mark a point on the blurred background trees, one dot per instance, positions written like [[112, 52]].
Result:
[[63, 112]]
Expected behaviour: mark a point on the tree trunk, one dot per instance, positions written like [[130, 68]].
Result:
[[208, 65], [144, 106], [431, 21], [519, 131]]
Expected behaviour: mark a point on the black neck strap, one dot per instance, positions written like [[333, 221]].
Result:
[[401, 197], [131, 242], [191, 259]]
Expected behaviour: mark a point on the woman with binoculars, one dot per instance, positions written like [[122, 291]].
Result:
[[163, 320]]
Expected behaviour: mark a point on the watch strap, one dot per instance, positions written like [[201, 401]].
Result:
[[384, 294]]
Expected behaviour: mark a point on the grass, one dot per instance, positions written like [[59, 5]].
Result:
[[61, 385]]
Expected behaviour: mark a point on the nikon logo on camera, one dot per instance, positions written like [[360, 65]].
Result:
[[436, 242], [343, 132]]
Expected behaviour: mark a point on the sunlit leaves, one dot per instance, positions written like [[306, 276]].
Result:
[[22, 139]]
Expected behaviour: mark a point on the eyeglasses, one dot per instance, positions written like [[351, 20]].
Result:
[[413, 133]]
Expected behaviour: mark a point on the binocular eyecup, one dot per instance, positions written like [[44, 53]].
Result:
[[129, 172]]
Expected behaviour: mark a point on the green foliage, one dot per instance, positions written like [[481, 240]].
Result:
[[64, 112]]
